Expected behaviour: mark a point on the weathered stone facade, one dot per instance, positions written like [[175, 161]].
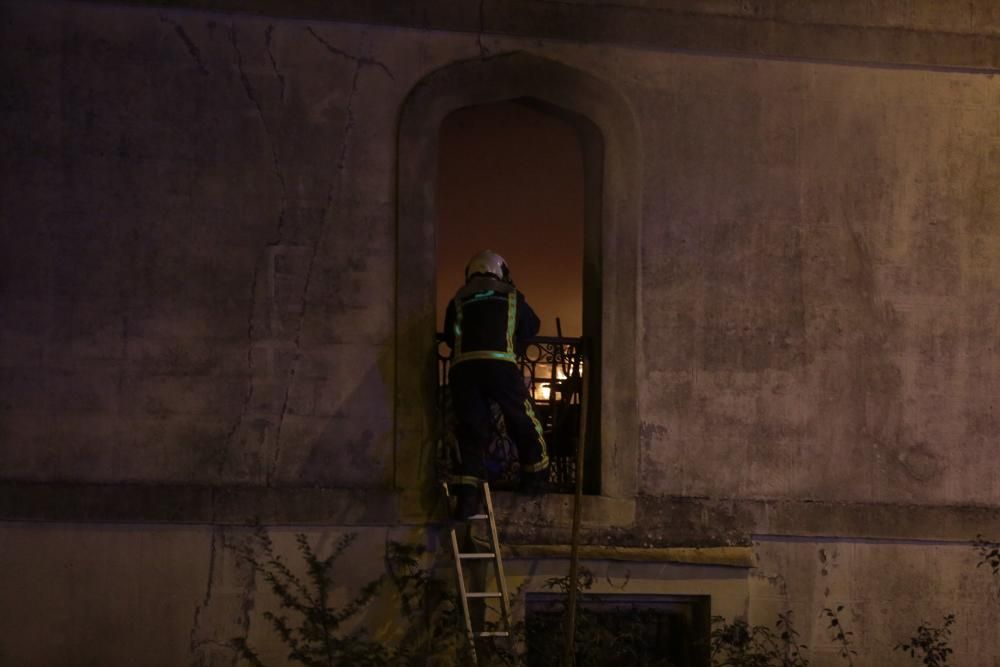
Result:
[[217, 303]]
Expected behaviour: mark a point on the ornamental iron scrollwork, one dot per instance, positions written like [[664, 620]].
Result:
[[553, 370]]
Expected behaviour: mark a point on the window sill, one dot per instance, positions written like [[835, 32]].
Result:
[[555, 510], [741, 557]]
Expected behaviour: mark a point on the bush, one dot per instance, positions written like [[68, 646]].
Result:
[[930, 644], [315, 632], [989, 554], [738, 644]]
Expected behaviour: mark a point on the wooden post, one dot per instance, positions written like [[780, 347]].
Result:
[[569, 657]]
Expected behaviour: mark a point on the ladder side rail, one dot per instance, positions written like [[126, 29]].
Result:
[[464, 597], [498, 560], [462, 593]]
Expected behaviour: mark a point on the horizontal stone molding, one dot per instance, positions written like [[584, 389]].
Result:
[[947, 523], [649, 27], [667, 522], [718, 556], [555, 510], [195, 504], [733, 521], [646, 523]]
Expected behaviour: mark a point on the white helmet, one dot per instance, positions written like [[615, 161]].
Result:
[[487, 262]]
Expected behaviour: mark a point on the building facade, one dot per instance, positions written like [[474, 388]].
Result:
[[218, 292]]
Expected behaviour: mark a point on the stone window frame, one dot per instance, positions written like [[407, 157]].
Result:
[[612, 159]]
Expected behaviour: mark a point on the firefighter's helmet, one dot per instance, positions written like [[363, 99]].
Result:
[[487, 262]]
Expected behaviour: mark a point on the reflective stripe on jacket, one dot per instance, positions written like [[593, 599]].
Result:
[[487, 319]]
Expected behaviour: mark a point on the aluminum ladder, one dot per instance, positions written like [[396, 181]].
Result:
[[493, 554]]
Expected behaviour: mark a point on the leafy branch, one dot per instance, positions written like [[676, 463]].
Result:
[[930, 644], [738, 644], [840, 634], [989, 554], [316, 632]]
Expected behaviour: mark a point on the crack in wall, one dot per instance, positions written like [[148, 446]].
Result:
[[282, 212], [878, 405], [360, 61], [250, 371], [272, 468], [483, 51], [363, 61], [267, 132], [348, 128], [199, 608], [246, 607], [124, 353], [216, 629], [123, 298], [191, 46], [335, 186], [274, 63]]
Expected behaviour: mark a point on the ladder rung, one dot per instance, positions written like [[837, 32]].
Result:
[[493, 634], [477, 555], [484, 595], [478, 517]]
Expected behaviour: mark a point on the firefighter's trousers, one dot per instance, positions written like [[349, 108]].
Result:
[[474, 384]]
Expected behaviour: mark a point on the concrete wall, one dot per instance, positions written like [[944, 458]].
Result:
[[819, 273], [886, 588], [211, 240], [198, 289]]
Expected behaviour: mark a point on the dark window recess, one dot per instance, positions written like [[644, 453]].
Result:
[[552, 370], [621, 630]]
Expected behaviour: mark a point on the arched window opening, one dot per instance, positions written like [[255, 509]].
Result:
[[519, 177], [612, 161], [510, 178]]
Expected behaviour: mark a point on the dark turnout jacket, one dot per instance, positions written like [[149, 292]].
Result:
[[488, 319]]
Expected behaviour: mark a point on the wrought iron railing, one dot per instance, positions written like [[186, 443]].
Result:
[[553, 369]]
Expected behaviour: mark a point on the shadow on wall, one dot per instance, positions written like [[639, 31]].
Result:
[[354, 448]]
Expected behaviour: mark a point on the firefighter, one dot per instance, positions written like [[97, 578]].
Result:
[[486, 325]]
